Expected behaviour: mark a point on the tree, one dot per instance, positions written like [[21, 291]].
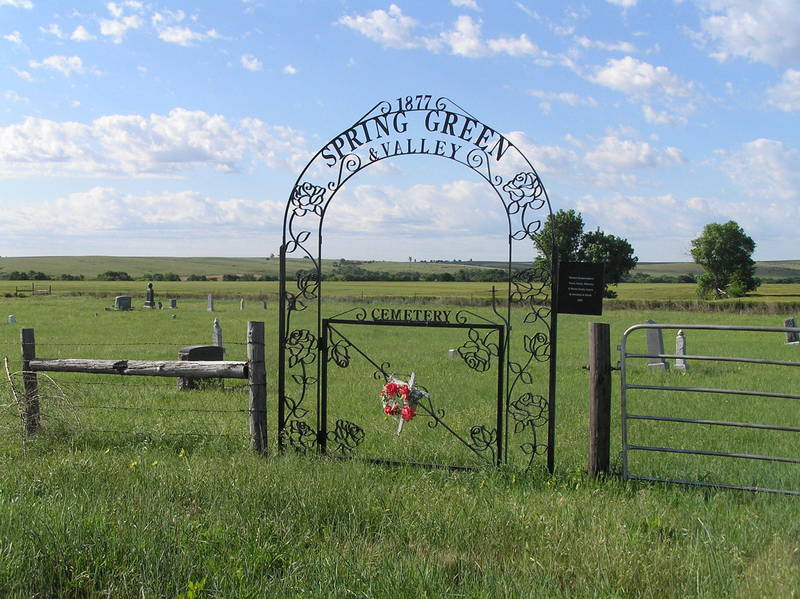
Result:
[[615, 253], [725, 253], [573, 245], [567, 227]]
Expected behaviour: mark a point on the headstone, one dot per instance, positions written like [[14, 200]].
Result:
[[210, 303], [241, 304], [173, 303], [452, 354], [264, 304], [197, 353], [680, 350], [160, 306], [216, 333], [791, 336], [655, 345], [149, 301], [12, 319], [123, 302]]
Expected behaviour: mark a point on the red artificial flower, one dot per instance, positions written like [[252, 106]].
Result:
[[391, 388], [388, 409], [404, 391], [408, 413]]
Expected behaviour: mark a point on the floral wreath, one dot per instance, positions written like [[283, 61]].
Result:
[[400, 399]]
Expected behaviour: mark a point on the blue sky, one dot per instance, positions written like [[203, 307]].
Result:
[[179, 128]]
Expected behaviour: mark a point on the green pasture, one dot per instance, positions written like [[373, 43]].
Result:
[[134, 488], [770, 297]]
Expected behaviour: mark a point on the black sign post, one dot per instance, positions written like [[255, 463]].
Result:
[[580, 288]]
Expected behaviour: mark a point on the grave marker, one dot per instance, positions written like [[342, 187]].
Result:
[[680, 350], [173, 303], [149, 301], [216, 333], [655, 345], [791, 337], [123, 302], [210, 307]]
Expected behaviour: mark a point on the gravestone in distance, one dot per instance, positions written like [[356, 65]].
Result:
[[655, 345], [216, 333], [792, 338], [264, 304], [241, 304], [210, 307], [123, 302], [149, 298], [173, 303], [12, 319], [680, 350]]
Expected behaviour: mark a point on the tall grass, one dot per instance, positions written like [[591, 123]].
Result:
[[147, 512]]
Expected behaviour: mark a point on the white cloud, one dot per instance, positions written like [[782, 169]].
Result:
[[766, 169], [623, 3], [391, 29], [627, 47], [568, 98], [615, 155], [100, 211], [786, 95], [22, 74], [117, 28], [251, 63], [545, 159], [15, 37], [290, 70], [451, 209], [765, 31], [638, 78], [64, 64], [81, 35], [134, 145], [183, 36], [655, 117], [471, 4], [17, 3], [53, 29], [13, 96]]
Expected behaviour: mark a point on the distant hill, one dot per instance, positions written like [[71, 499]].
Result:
[[136, 267]]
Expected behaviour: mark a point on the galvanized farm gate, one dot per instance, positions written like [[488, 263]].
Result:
[[631, 391]]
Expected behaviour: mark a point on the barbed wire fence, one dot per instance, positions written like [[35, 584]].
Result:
[[97, 407]]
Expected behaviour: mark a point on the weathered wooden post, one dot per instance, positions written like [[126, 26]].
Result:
[[257, 378], [30, 383], [599, 398]]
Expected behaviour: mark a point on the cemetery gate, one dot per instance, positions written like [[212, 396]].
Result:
[[352, 379]]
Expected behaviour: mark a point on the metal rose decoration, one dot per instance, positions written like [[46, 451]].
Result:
[[301, 344], [524, 189], [307, 197]]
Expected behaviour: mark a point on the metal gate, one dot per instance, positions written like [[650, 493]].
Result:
[[644, 404]]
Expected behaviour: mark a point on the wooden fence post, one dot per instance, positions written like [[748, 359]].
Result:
[[599, 398], [30, 382], [257, 377]]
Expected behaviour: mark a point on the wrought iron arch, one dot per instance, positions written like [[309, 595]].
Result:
[[416, 126]]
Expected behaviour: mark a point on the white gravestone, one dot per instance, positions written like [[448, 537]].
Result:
[[655, 345], [210, 303], [216, 334], [12, 319], [680, 350]]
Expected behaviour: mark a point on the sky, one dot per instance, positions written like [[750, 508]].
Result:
[[158, 128]]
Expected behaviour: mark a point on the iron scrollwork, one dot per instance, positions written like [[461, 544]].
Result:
[[345, 436], [477, 351]]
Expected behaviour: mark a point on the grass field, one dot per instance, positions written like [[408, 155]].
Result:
[[161, 497]]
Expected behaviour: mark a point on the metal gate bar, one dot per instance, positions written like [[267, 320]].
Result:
[[625, 387]]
